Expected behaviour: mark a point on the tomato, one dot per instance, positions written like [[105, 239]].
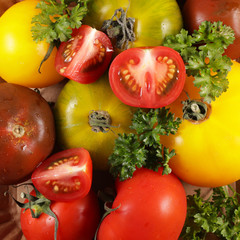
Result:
[[27, 132], [86, 56], [208, 151], [20, 55], [147, 77], [195, 12], [64, 176], [154, 20], [77, 219], [91, 116], [149, 206]]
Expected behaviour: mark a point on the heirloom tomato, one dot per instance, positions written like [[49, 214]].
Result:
[[78, 219], [91, 116], [20, 54], [228, 12], [153, 20], [27, 132], [149, 205], [207, 149]]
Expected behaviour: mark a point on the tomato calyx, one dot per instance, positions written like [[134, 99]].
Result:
[[121, 30]]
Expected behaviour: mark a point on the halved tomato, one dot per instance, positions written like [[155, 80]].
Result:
[[84, 57], [147, 77], [65, 176]]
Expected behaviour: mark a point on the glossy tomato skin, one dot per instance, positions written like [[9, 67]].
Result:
[[20, 54], [27, 132], [208, 152], [154, 20], [195, 12], [147, 77], [150, 206], [64, 176], [86, 56], [73, 107], [78, 219]]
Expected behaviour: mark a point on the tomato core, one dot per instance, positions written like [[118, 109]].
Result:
[[18, 131]]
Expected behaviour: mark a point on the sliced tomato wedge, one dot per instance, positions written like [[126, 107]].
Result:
[[64, 176], [84, 57], [147, 77]]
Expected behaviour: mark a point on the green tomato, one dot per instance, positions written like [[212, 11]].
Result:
[[154, 19]]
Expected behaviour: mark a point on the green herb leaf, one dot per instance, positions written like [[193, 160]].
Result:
[[144, 149], [57, 19], [202, 53]]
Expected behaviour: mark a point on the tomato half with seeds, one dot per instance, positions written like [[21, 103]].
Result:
[[65, 176], [84, 57], [147, 77]]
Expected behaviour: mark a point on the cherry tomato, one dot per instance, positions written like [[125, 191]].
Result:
[[20, 54], [77, 219], [148, 206], [195, 12], [27, 132], [208, 151], [86, 56], [65, 175], [147, 77]]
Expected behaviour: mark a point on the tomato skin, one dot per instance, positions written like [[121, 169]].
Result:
[[27, 132], [69, 176], [207, 153], [151, 206], [20, 54], [154, 20], [72, 110], [195, 12], [78, 219], [146, 83], [86, 64]]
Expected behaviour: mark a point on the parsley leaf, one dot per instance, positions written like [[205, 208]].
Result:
[[144, 149], [56, 19], [202, 53]]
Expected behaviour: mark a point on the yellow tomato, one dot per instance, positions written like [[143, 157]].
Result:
[[208, 152], [20, 54]]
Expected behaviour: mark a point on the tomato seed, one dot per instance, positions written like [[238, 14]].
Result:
[[56, 188]]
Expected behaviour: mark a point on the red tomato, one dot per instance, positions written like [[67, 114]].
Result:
[[151, 206], [65, 176], [197, 11], [27, 132], [77, 219], [147, 77], [84, 57]]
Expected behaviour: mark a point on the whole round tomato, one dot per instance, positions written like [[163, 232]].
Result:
[[195, 12], [20, 54], [154, 20], [148, 206], [91, 116], [27, 132], [77, 219], [208, 151]]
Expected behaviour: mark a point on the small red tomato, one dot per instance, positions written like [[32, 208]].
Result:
[[65, 176], [147, 77], [84, 57]]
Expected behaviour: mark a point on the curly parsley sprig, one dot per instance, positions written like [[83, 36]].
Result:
[[144, 148], [202, 53]]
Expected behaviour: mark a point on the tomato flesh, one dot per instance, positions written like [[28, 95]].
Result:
[[65, 176], [147, 77], [84, 57]]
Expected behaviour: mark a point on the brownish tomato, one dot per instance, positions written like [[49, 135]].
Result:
[[27, 132]]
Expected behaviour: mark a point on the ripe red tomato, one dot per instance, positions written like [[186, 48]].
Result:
[[65, 176], [77, 219], [147, 77], [84, 57], [27, 132], [150, 206], [195, 12]]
